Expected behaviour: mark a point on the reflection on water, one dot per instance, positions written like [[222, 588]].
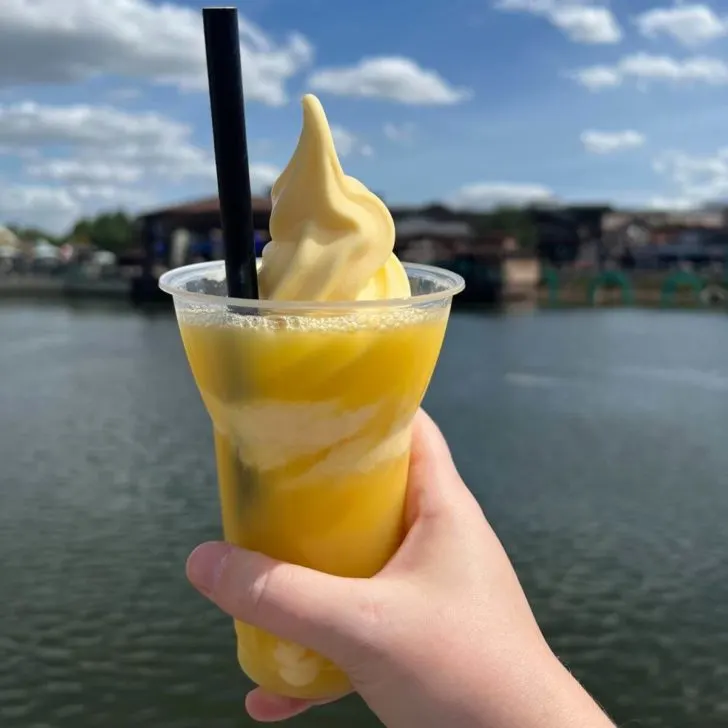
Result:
[[595, 443]]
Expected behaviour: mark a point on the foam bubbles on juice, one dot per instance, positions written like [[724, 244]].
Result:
[[319, 321]]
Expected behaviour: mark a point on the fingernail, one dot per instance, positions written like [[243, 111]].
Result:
[[204, 565]]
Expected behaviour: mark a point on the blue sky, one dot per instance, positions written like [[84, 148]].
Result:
[[475, 102]]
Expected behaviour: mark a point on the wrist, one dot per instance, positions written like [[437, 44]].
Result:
[[570, 703], [522, 688], [542, 693]]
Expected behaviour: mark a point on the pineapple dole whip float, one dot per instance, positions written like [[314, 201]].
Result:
[[312, 407], [331, 238]]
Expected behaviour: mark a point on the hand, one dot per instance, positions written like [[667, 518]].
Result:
[[443, 635]]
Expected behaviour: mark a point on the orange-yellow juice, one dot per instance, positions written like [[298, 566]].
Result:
[[312, 419]]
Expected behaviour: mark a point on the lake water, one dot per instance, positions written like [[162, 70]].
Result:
[[595, 441]]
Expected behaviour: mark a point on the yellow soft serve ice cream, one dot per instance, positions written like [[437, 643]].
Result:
[[331, 238]]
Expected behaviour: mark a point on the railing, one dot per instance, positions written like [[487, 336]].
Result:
[[663, 287]]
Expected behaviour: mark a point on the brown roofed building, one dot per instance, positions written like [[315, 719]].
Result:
[[201, 216], [199, 223]]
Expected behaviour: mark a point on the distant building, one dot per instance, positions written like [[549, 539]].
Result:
[[422, 239], [659, 239], [201, 222], [417, 226], [691, 247], [8, 239], [563, 231]]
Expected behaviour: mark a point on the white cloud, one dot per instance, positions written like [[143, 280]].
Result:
[[128, 93], [484, 195], [699, 178], [672, 204], [96, 197], [644, 68], [56, 209], [344, 141], [587, 24], [390, 77], [262, 176], [52, 42], [608, 142], [348, 143], [29, 123], [75, 171], [104, 141], [50, 208], [99, 157], [690, 25], [399, 132], [580, 20], [174, 162], [8, 150], [597, 77]]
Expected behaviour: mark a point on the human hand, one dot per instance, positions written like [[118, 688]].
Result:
[[442, 635]]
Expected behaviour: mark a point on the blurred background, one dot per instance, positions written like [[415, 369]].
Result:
[[567, 157]]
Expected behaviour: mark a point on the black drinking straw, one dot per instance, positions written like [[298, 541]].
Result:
[[222, 43]]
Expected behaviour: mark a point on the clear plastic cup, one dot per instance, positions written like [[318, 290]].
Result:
[[312, 405]]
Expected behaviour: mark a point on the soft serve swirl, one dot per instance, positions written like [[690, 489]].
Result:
[[331, 238]]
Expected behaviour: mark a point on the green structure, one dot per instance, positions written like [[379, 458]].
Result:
[[484, 281], [681, 279], [550, 278], [611, 279]]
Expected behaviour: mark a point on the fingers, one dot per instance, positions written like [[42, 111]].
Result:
[[308, 607], [266, 707]]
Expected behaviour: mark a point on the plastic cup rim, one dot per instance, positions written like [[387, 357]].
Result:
[[169, 282]]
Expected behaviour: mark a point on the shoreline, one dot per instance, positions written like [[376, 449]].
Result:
[[567, 289]]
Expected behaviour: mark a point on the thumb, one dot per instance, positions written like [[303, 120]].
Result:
[[434, 485], [430, 453], [322, 612]]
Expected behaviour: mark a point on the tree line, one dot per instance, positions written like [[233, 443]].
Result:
[[117, 231], [113, 231]]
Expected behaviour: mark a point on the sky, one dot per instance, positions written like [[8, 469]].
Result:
[[475, 103]]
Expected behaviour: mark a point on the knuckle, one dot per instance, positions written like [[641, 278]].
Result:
[[374, 619], [257, 596], [377, 625], [244, 588]]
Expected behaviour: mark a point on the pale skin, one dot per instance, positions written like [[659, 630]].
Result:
[[443, 635]]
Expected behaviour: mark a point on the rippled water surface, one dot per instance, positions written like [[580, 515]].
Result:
[[594, 440]]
